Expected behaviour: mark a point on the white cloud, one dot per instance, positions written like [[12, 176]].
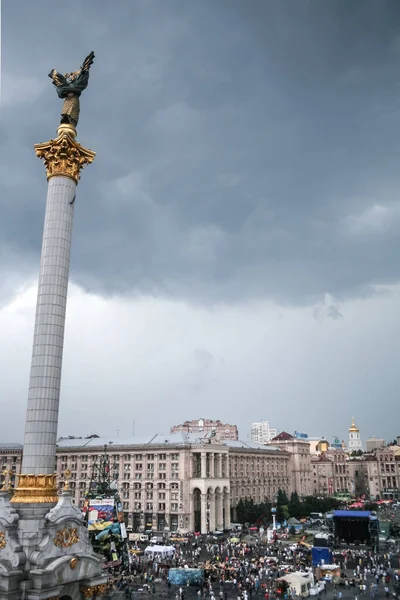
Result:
[[377, 219], [159, 362]]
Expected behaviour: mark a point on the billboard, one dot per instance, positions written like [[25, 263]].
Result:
[[101, 513], [301, 436]]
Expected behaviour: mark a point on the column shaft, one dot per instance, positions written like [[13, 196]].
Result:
[[45, 376], [204, 513]]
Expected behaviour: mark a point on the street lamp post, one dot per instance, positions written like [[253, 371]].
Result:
[[273, 512]]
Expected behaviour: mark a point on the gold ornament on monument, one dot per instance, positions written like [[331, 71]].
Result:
[[64, 157], [3, 542], [67, 476], [67, 537], [73, 563], [35, 488], [6, 482]]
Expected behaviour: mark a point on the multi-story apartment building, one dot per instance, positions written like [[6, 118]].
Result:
[[185, 482], [222, 431], [374, 443], [300, 462], [261, 432], [331, 473], [182, 482]]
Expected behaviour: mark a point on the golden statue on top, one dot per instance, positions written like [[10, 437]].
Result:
[[69, 87]]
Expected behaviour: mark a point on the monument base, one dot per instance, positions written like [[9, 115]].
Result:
[[45, 552]]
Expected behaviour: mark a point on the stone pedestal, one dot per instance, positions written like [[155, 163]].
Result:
[[45, 552]]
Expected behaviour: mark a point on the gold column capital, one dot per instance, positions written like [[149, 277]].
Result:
[[35, 489], [64, 156]]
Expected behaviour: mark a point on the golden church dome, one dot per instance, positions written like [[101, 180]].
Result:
[[353, 426]]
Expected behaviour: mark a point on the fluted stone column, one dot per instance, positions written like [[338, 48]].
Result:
[[63, 158], [203, 465], [48, 340], [212, 510], [212, 464]]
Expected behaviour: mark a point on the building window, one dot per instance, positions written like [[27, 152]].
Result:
[[149, 506], [125, 505], [162, 466], [162, 476], [137, 486], [138, 506], [161, 506], [161, 496], [139, 466], [138, 495], [174, 456], [138, 476], [174, 507], [150, 457], [161, 486], [149, 495], [138, 457], [162, 456], [150, 466]]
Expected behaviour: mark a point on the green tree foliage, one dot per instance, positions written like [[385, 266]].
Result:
[[294, 505], [247, 511], [282, 499]]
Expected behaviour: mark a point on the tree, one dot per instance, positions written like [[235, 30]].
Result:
[[240, 512], [281, 498], [294, 505]]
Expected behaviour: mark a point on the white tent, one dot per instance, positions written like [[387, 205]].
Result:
[[300, 581], [161, 550]]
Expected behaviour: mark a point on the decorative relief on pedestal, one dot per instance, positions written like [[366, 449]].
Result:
[[94, 590], [3, 542], [35, 489], [64, 157], [67, 537]]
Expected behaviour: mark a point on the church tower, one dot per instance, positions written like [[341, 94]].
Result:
[[355, 442]]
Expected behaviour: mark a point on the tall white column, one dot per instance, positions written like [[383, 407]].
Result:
[[45, 377], [64, 159]]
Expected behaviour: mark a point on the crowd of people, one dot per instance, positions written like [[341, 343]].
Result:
[[242, 570]]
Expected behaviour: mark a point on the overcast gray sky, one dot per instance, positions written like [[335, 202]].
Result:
[[236, 241]]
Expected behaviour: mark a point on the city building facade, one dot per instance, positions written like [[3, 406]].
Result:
[[222, 431], [300, 462], [374, 443], [261, 432]]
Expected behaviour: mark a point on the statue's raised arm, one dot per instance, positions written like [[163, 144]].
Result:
[[70, 86]]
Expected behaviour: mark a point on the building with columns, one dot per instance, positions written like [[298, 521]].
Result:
[[180, 481]]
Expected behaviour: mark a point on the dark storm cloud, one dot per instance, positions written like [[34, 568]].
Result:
[[241, 147]]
